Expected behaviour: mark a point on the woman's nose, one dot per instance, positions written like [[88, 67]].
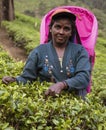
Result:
[[61, 31]]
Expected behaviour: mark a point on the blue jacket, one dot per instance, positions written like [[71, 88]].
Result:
[[43, 63]]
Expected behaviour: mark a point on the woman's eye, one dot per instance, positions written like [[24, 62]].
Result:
[[67, 29], [57, 27]]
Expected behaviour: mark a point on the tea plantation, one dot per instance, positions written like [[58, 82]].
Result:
[[24, 107]]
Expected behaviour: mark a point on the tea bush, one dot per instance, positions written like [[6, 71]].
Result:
[[35, 22], [24, 31], [25, 107]]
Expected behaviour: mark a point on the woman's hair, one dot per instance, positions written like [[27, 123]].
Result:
[[74, 29]]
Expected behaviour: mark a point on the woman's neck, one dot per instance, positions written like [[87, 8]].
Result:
[[61, 46], [60, 50]]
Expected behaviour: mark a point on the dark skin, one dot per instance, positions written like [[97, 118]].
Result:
[[8, 79], [60, 31]]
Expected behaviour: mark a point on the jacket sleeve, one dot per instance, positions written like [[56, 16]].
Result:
[[30, 70], [82, 72]]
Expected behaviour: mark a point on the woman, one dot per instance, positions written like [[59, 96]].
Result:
[[60, 60]]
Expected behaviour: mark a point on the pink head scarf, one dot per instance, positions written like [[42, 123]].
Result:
[[86, 24]]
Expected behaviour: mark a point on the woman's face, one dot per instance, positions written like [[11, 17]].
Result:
[[61, 31]]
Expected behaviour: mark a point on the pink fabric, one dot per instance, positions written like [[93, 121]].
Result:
[[87, 27]]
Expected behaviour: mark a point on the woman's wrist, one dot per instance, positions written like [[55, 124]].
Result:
[[13, 79], [65, 86]]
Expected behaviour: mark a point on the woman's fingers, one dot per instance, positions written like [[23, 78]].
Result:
[[8, 79]]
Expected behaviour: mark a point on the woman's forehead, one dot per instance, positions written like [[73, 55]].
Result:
[[63, 21]]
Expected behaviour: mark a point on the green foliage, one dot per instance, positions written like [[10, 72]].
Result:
[[35, 22], [24, 31], [8, 66], [101, 17], [99, 72], [21, 5], [25, 107]]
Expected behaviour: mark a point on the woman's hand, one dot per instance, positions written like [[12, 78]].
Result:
[[8, 79], [55, 89]]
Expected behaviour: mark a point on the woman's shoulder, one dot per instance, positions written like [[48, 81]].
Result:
[[40, 49], [77, 48], [43, 46], [76, 45]]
